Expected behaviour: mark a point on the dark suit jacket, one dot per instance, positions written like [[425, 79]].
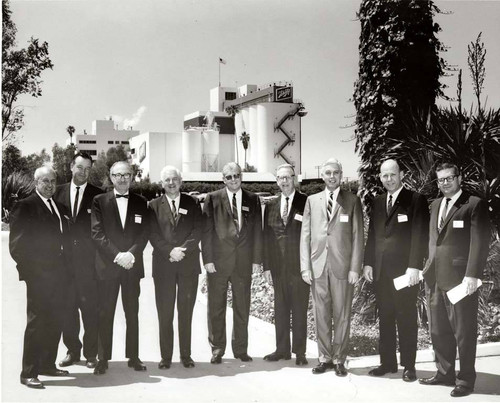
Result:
[[220, 242], [166, 234], [398, 240], [82, 256], [282, 243], [111, 238], [461, 248], [35, 239]]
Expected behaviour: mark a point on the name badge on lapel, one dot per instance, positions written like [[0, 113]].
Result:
[[298, 217], [89, 211], [245, 208], [402, 218], [138, 219], [458, 224], [183, 211], [344, 218]]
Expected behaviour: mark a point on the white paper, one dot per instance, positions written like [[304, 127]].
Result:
[[344, 218], [298, 217], [183, 211], [402, 218], [459, 292], [402, 281], [458, 224], [138, 219]]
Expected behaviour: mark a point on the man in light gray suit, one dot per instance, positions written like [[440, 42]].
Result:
[[331, 255]]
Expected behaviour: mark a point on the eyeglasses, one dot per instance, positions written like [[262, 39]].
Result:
[[121, 176], [448, 179], [332, 173], [283, 178], [232, 177]]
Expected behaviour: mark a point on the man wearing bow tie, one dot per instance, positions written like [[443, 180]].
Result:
[[76, 200], [459, 235], [231, 249], [37, 230], [282, 224], [119, 229], [175, 224], [331, 254]]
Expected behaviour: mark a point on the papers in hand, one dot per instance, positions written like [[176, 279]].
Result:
[[404, 280], [459, 292]]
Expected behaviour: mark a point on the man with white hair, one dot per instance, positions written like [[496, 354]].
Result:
[[331, 254], [175, 232], [36, 244]]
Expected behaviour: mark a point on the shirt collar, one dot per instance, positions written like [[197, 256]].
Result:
[[455, 197], [82, 187], [230, 194], [116, 193], [42, 197], [290, 198], [177, 199], [395, 194], [335, 193]]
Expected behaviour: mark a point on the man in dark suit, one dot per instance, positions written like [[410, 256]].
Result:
[[459, 235], [36, 244], [231, 249], [175, 232], [119, 229], [282, 224], [396, 245], [81, 290]]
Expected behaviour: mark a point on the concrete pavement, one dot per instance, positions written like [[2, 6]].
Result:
[[231, 381]]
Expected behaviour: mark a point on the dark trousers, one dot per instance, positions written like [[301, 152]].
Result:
[[291, 296], [217, 285], [453, 326], [397, 309], [108, 295], [81, 295], [45, 301], [168, 286]]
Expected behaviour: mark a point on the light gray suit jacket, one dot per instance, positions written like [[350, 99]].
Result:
[[341, 239]]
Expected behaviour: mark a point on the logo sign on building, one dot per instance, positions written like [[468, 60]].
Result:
[[283, 94]]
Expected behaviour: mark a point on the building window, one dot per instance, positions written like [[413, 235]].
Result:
[[116, 142], [87, 141], [230, 96], [89, 152], [124, 142], [110, 141]]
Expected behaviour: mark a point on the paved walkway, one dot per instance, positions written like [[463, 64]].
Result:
[[231, 381]]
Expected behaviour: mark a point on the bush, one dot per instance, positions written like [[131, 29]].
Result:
[[15, 187]]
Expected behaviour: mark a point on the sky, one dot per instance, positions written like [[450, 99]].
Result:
[[148, 63]]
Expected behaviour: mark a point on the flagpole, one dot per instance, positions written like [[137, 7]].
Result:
[[219, 71]]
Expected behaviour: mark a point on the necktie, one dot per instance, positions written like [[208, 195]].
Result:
[[330, 207], [174, 210], [235, 213], [443, 216], [75, 206], [389, 204], [285, 211], [125, 196]]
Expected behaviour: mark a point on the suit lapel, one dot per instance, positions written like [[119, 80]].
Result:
[[340, 202], [453, 209], [85, 201], [114, 208]]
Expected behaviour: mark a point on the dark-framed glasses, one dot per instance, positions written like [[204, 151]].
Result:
[[448, 179], [232, 177], [121, 176]]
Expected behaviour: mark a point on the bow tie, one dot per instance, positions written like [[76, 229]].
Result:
[[118, 196]]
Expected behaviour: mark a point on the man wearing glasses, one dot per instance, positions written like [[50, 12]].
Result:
[[459, 235], [231, 249], [331, 254], [282, 224], [119, 229]]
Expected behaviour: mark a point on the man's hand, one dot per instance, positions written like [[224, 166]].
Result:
[[413, 278], [268, 277], [368, 273], [177, 254], [125, 260], [307, 276], [256, 267], [210, 268], [471, 283], [352, 277]]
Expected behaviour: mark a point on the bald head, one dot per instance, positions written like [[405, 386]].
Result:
[[391, 175], [45, 181]]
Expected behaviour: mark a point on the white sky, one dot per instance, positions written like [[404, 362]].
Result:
[[112, 57]]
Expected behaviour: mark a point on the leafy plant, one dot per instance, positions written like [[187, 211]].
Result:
[[16, 186]]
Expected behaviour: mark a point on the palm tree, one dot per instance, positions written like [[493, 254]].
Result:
[[70, 130], [245, 139]]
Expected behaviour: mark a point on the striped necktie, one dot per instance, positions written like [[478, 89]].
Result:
[[329, 210], [235, 213], [389, 204], [285, 212]]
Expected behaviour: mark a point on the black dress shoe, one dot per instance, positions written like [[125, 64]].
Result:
[[91, 363], [461, 390], [340, 370], [381, 371], [70, 359], [409, 375], [244, 357], [301, 359], [187, 362], [216, 359], [137, 364], [101, 367], [322, 367], [32, 382], [277, 356], [434, 380], [54, 372], [165, 363]]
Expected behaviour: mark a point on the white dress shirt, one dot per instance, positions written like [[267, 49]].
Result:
[[239, 195], [283, 203], [177, 201], [335, 195], [72, 196], [452, 201], [46, 201], [394, 197], [122, 203]]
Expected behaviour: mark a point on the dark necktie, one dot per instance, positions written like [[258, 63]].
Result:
[[443, 216], [174, 210], [75, 205], [118, 196], [235, 213], [330, 207], [389, 204], [285, 211]]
